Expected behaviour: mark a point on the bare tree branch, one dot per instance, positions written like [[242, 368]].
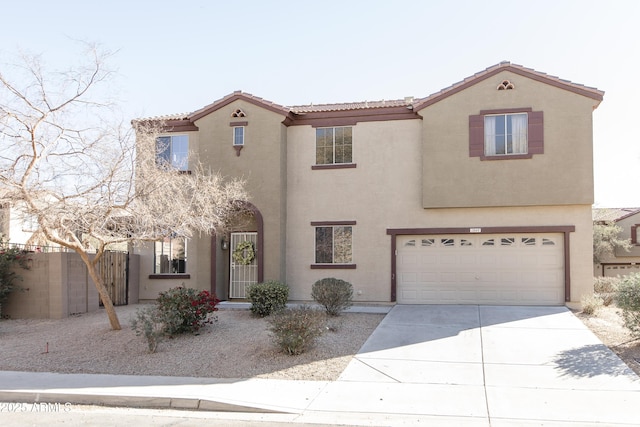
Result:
[[92, 180]]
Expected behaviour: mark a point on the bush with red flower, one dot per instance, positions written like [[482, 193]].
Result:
[[185, 309]]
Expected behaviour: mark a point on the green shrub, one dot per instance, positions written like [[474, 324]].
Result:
[[591, 304], [605, 288], [148, 323], [267, 297], [296, 329], [334, 295], [628, 300], [185, 310], [9, 259]]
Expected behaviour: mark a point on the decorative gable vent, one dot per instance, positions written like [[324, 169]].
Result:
[[238, 113], [506, 85]]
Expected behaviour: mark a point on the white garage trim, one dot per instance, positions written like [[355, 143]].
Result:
[[562, 284]]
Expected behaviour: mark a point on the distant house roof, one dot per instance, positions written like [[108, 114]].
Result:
[[400, 108], [613, 214]]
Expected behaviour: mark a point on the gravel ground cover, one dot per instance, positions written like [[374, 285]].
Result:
[[608, 326], [237, 345]]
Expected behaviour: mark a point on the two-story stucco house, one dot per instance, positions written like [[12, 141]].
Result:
[[623, 262], [478, 194]]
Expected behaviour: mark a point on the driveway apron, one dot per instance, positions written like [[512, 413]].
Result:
[[486, 365]]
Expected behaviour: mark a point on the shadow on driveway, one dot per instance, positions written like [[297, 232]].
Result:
[[590, 361]]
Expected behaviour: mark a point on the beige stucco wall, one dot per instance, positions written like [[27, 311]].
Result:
[[562, 175], [55, 286], [410, 174], [262, 164], [384, 191]]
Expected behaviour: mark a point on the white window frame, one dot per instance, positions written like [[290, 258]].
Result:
[[512, 144], [238, 139], [333, 128], [178, 159], [333, 228], [170, 248]]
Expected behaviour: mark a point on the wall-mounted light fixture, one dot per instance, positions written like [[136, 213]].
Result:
[[224, 244]]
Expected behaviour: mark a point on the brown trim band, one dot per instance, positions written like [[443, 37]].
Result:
[[507, 157], [333, 266], [339, 166], [169, 276], [238, 124], [506, 111], [565, 229], [483, 230], [329, 223], [352, 117], [180, 126]]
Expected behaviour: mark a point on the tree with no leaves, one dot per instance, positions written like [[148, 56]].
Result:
[[89, 180]]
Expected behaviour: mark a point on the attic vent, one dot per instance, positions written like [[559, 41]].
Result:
[[506, 85], [238, 113]]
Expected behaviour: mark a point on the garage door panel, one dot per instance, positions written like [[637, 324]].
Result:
[[408, 259], [488, 260], [429, 277], [511, 277], [450, 277], [408, 278], [448, 259], [467, 259], [482, 269], [508, 260]]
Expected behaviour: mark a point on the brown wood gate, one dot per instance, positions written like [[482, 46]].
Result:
[[114, 269]]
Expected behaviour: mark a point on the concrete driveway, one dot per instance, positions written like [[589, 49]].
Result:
[[485, 365], [435, 365]]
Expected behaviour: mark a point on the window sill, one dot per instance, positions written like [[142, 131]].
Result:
[[333, 266], [170, 276], [339, 166], [507, 157]]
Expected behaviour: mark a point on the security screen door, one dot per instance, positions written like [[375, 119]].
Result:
[[243, 266]]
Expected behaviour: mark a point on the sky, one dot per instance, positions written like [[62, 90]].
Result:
[[176, 57]]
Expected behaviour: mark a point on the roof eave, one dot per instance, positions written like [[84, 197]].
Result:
[[592, 93]]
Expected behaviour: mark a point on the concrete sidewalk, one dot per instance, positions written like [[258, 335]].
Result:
[[448, 365]]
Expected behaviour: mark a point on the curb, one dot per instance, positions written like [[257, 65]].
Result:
[[151, 402]]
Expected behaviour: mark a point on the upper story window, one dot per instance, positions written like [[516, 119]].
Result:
[[505, 134], [170, 256], [334, 146], [174, 151], [514, 133], [238, 135]]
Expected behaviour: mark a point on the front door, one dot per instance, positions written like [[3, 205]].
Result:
[[243, 268]]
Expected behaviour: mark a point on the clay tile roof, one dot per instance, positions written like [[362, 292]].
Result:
[[518, 69], [238, 95], [167, 117], [314, 108], [415, 104], [613, 214]]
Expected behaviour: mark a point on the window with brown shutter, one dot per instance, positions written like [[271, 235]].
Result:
[[534, 137]]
